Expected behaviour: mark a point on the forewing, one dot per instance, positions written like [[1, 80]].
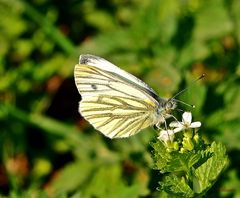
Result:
[[111, 103], [104, 65]]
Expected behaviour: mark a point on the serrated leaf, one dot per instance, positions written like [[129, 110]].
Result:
[[185, 161], [206, 175], [182, 161], [205, 155], [176, 187], [160, 155], [176, 161]]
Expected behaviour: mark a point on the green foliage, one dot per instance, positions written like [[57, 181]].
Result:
[[206, 174], [189, 173], [176, 187], [47, 149]]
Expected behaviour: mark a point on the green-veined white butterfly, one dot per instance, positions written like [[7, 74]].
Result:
[[115, 102]]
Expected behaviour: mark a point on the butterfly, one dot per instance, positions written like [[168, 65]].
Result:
[[115, 102]]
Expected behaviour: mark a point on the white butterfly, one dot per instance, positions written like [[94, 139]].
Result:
[[115, 102]]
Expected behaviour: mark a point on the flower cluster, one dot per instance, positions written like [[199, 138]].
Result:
[[186, 125]]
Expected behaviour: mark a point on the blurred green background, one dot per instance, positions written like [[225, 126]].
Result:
[[47, 149]]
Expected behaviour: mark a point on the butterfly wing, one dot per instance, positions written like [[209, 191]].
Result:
[[115, 102]]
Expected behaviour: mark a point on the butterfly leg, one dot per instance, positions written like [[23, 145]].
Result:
[[157, 127], [173, 118]]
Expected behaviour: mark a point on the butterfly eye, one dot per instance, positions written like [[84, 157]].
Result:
[[171, 104]]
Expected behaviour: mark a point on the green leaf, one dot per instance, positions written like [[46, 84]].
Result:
[[176, 187], [107, 182], [207, 174], [205, 28], [160, 155], [184, 161], [72, 176], [205, 155]]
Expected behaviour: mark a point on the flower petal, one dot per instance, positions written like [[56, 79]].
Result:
[[176, 130], [195, 125], [166, 135], [187, 118], [175, 124]]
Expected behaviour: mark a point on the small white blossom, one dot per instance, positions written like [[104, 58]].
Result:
[[166, 135], [185, 124]]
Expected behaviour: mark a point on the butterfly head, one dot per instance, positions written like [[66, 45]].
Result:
[[166, 107], [164, 110], [170, 105]]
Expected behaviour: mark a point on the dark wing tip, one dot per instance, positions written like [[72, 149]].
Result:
[[87, 58]]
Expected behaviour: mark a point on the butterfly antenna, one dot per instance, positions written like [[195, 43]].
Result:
[[190, 105], [179, 110], [180, 92]]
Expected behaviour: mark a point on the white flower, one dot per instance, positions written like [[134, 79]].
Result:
[[185, 124], [166, 135]]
